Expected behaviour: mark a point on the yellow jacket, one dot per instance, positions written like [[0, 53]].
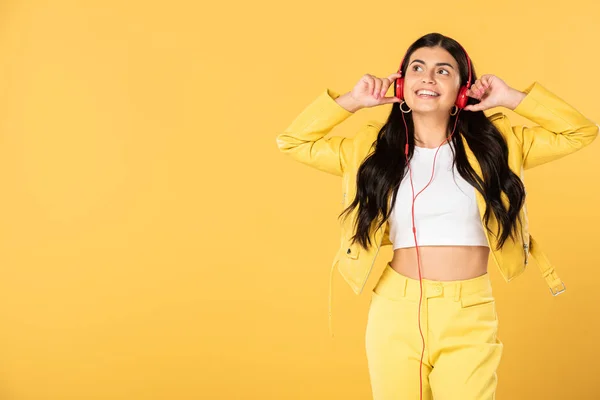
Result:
[[561, 130]]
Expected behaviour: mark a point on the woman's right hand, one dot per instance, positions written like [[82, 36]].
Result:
[[369, 92]]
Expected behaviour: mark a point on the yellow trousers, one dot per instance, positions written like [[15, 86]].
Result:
[[459, 325]]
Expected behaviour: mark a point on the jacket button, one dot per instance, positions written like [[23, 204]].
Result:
[[348, 251]]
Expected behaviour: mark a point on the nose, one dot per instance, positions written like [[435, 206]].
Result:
[[428, 78]]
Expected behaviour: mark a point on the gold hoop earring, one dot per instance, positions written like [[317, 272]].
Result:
[[401, 109], [455, 112]]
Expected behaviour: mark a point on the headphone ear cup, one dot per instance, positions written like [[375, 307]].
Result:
[[400, 88], [462, 98]]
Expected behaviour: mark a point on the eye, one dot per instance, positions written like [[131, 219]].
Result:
[[415, 67], [446, 71]]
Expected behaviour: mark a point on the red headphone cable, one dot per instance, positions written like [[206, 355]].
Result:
[[414, 229]]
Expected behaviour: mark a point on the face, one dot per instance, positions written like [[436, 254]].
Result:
[[433, 69]]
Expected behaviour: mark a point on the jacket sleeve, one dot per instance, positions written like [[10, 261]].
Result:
[[304, 139], [562, 129]]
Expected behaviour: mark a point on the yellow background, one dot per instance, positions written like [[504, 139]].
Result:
[[154, 243]]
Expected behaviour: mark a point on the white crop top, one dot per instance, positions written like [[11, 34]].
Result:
[[446, 212]]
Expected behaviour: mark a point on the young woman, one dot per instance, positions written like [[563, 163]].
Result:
[[442, 183]]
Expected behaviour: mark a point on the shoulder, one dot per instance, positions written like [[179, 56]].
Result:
[[504, 126], [496, 116], [367, 134], [363, 143], [501, 122]]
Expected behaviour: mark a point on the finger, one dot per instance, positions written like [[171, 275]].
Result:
[[389, 81], [474, 93], [480, 90], [479, 86], [485, 82], [474, 107], [370, 84], [394, 76], [476, 87], [386, 83], [488, 82], [377, 88], [388, 100], [384, 88]]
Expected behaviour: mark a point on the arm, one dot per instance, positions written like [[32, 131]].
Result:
[[561, 129], [304, 139]]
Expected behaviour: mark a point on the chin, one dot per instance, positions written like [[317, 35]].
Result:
[[425, 109], [419, 107]]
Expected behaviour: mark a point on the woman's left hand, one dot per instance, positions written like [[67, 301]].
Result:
[[492, 91]]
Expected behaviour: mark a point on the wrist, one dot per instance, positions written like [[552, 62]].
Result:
[[348, 102], [514, 99]]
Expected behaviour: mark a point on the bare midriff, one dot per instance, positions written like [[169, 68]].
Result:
[[442, 263]]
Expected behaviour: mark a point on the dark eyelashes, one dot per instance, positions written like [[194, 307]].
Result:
[[418, 66]]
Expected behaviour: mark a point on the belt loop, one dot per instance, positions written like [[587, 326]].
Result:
[[457, 290], [404, 284]]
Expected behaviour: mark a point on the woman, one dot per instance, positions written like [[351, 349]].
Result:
[[442, 183]]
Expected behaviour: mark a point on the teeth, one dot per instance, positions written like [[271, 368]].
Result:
[[428, 92]]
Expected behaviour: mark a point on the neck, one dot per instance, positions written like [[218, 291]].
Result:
[[430, 130]]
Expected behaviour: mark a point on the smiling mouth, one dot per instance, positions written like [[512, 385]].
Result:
[[427, 94]]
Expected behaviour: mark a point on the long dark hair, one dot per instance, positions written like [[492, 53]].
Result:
[[383, 169]]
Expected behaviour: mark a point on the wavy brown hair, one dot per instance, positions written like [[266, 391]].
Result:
[[381, 172]]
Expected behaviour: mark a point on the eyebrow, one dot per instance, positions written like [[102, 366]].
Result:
[[437, 65]]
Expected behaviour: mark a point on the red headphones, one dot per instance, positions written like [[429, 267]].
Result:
[[461, 99]]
